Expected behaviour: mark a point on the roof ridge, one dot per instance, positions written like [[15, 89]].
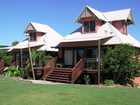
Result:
[[118, 10]]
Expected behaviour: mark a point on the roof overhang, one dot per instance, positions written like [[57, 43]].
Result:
[[130, 19], [21, 47], [90, 12], [83, 42]]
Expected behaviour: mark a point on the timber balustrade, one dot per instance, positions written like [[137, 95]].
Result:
[[49, 68], [77, 70]]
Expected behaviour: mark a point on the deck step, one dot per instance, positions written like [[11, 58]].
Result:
[[56, 80], [60, 75]]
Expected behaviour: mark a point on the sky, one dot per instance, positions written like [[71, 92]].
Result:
[[15, 15]]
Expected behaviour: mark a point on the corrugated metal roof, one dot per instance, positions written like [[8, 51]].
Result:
[[119, 15], [105, 31], [47, 41], [124, 14], [94, 12]]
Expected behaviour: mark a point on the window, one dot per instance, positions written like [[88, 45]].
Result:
[[33, 36], [92, 53], [89, 26]]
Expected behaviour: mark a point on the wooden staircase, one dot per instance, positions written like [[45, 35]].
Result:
[[65, 75], [60, 75]]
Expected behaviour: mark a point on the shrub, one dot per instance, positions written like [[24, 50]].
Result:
[[6, 57], [12, 71], [135, 85], [109, 82], [121, 62]]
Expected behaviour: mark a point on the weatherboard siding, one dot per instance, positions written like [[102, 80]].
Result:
[[121, 26], [38, 35]]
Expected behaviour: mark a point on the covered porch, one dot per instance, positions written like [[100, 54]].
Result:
[[75, 59]]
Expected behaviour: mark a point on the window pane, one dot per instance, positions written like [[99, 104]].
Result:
[[92, 25], [32, 36], [86, 26]]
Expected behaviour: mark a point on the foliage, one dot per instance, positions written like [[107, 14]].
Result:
[[43, 58], [109, 82], [12, 71], [6, 57], [25, 71], [34, 56], [122, 63], [47, 59], [1, 46], [40, 58], [15, 92], [87, 79], [135, 85], [15, 43]]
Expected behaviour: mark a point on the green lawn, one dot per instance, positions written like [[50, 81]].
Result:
[[15, 92]]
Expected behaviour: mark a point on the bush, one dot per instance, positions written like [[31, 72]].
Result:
[[6, 57], [121, 62], [135, 85], [12, 71], [109, 82]]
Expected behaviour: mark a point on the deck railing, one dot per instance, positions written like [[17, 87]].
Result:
[[49, 68], [77, 70]]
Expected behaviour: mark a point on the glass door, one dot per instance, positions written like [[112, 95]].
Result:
[[68, 57], [79, 54]]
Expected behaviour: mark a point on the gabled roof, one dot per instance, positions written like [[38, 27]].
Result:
[[50, 38], [105, 31], [37, 27], [124, 14], [88, 12]]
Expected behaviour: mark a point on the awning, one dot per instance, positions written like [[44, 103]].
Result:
[[25, 45], [84, 38], [81, 42]]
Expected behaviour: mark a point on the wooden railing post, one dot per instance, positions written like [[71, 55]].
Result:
[[49, 68], [77, 70]]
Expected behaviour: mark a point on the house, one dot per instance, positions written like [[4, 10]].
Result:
[[83, 49], [39, 37]]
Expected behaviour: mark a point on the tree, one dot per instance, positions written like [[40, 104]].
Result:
[[121, 62], [15, 43], [6, 57]]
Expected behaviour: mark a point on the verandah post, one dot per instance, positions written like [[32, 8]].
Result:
[[99, 54]]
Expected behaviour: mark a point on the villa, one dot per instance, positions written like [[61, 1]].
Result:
[[83, 49], [39, 37]]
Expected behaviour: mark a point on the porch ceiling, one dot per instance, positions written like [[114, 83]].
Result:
[[82, 43]]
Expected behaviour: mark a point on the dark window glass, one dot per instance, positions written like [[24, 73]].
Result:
[[86, 26], [92, 26], [89, 26], [33, 36]]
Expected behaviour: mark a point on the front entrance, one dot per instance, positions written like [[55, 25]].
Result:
[[90, 55], [78, 54], [68, 57]]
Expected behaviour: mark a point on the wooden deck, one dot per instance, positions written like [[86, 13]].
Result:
[[66, 75]]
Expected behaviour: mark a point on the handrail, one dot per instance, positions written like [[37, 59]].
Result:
[[49, 67], [77, 70]]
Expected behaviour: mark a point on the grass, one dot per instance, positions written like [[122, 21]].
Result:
[[15, 92]]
